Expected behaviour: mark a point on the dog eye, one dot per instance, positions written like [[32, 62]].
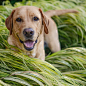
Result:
[[35, 18], [18, 19]]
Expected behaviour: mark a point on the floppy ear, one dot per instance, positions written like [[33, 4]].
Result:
[[9, 22], [44, 21]]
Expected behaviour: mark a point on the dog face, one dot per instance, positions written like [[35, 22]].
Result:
[[25, 23]]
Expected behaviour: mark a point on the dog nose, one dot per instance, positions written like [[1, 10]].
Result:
[[28, 32]]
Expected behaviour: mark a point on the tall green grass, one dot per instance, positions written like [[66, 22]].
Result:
[[17, 69]]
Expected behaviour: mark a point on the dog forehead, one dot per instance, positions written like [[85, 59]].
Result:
[[27, 10]]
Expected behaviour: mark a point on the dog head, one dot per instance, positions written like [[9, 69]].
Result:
[[25, 23]]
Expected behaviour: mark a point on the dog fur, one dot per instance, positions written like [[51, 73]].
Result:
[[30, 20]]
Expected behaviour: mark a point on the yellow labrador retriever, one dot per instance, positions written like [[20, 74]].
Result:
[[29, 26]]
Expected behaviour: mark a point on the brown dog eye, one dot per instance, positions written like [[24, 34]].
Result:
[[18, 19], [35, 18]]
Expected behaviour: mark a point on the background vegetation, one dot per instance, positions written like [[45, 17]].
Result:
[[64, 68]]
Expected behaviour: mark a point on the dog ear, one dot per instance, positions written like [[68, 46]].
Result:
[[9, 22], [44, 21]]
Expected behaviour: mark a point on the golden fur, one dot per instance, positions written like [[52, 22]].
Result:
[[44, 29]]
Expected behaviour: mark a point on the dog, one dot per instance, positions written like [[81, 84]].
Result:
[[29, 26]]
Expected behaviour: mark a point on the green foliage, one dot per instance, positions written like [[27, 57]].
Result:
[[18, 69], [71, 62], [70, 59], [64, 68]]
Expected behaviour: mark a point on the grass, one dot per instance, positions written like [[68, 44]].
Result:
[[22, 70]]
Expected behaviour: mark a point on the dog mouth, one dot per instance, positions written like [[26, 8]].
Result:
[[28, 44]]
